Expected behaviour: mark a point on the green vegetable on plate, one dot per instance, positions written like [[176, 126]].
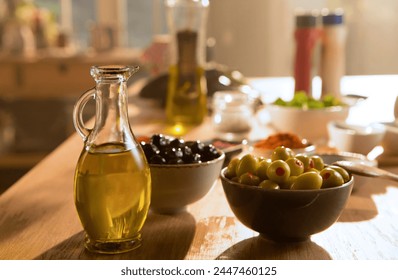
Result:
[[302, 100]]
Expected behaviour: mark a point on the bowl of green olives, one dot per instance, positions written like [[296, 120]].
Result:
[[288, 197], [182, 172]]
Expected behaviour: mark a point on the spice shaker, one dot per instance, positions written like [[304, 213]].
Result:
[[332, 66], [307, 35]]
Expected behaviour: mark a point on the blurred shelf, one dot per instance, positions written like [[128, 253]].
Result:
[[14, 165], [20, 160], [55, 75]]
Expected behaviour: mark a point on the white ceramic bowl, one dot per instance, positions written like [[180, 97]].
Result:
[[355, 138], [310, 124], [174, 186], [390, 139]]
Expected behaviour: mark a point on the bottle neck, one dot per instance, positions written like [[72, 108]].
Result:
[[111, 121], [187, 21], [187, 48]]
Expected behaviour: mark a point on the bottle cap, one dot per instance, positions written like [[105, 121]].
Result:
[[306, 20], [332, 18]]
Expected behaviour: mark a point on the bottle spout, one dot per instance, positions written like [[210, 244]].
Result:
[[113, 72], [133, 70]]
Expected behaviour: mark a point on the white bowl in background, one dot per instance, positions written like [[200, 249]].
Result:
[[310, 124], [390, 139], [355, 138]]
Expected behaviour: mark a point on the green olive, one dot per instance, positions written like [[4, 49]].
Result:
[[288, 184], [235, 179], [296, 166], [278, 171], [308, 162], [342, 171], [249, 179], [269, 185], [261, 158], [308, 181], [318, 162], [313, 170], [282, 153], [231, 168], [248, 163], [331, 178], [262, 168]]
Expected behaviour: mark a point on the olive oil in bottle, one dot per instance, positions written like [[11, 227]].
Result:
[[186, 99], [112, 193]]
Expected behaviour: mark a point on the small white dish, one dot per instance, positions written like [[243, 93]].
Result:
[[355, 138], [390, 139]]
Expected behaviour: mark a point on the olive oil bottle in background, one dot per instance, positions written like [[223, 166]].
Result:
[[112, 183], [186, 102]]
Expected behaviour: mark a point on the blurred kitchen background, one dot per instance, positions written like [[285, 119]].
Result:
[[47, 47]]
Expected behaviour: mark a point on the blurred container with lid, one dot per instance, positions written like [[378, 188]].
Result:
[[307, 35], [332, 65]]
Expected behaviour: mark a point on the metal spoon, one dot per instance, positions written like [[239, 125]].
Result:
[[366, 170]]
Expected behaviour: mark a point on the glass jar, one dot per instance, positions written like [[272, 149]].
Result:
[[112, 183], [233, 115]]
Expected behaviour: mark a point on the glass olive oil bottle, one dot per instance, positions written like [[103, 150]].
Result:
[[112, 183], [186, 102]]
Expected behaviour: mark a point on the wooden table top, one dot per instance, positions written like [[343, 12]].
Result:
[[38, 219]]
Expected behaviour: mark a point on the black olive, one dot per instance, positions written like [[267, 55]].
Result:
[[175, 161], [197, 158], [155, 139], [196, 146], [209, 152], [149, 149], [157, 159], [177, 143]]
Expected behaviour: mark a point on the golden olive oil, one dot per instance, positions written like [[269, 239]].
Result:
[[187, 97], [112, 192]]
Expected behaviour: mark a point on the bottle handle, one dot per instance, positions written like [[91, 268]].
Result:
[[78, 121]]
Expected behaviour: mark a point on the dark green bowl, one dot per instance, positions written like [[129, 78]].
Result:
[[286, 215]]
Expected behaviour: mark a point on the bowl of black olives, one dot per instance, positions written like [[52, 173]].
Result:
[[182, 172], [288, 197]]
